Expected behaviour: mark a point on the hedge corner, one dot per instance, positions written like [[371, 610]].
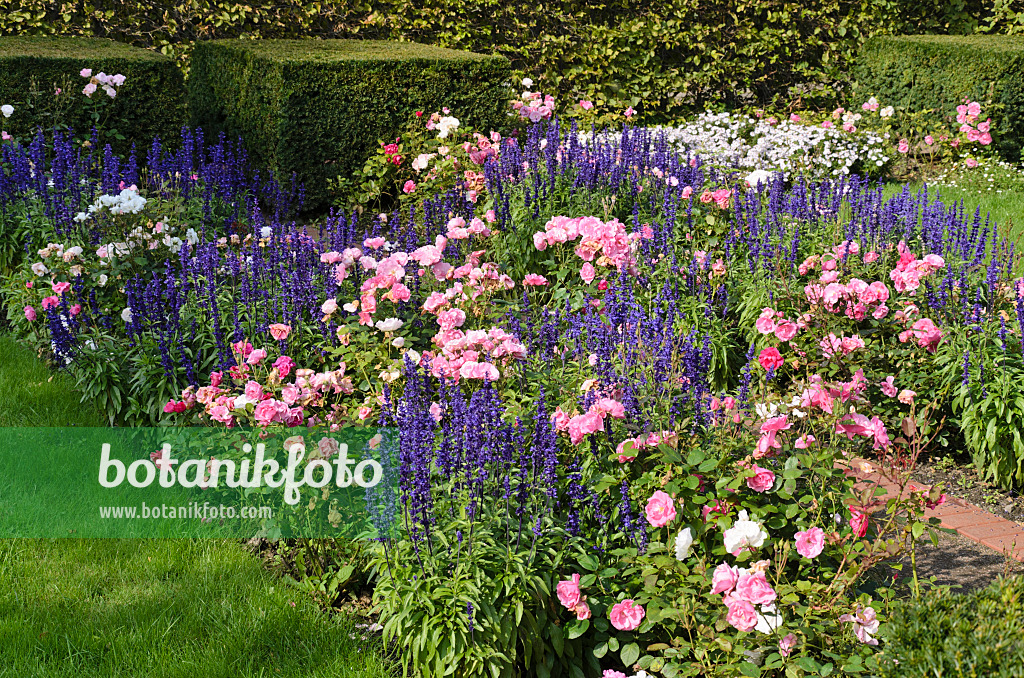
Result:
[[151, 102], [317, 108], [918, 72]]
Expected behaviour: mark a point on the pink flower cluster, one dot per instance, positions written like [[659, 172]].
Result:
[[860, 425], [534, 106], [774, 322], [925, 333], [906, 277], [470, 355], [967, 114], [741, 590], [592, 421], [720, 197], [640, 442], [570, 596], [109, 83], [604, 241], [767, 443]]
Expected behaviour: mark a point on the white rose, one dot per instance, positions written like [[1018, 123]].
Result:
[[414, 356], [527, 82], [398, 342], [768, 620], [102, 280], [329, 307], [7, 110], [39, 269], [887, 112], [684, 541], [389, 325], [758, 177], [81, 216], [191, 236], [744, 533], [265, 232], [126, 314]]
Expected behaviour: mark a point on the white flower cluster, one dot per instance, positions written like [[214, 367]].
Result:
[[128, 201], [746, 143], [446, 125]]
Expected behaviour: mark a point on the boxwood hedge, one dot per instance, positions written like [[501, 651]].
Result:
[[150, 103], [918, 72], [317, 108], [958, 636]]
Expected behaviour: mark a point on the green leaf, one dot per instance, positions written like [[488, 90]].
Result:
[[630, 654]]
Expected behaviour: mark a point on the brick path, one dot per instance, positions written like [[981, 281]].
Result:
[[975, 523]]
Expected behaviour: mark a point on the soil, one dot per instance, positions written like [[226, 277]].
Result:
[[962, 481]]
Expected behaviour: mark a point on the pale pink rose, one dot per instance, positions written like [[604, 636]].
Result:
[[435, 411], [535, 280], [582, 611], [785, 330], [289, 394], [724, 578], [222, 414], [765, 323], [660, 509], [906, 396], [612, 673], [762, 481], [888, 387], [587, 272], [568, 592], [256, 356], [30, 313], [253, 391], [270, 411], [787, 644], [754, 588], [627, 615], [865, 624], [742, 615], [810, 543], [871, 257], [280, 331], [365, 412], [803, 442]]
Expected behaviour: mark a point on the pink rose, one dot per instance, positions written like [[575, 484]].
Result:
[[270, 411], [409, 187], [660, 509], [535, 280], [906, 396], [280, 331], [611, 673], [365, 412], [770, 358], [256, 356], [859, 522], [627, 615], [787, 644], [284, 366], [785, 330], [810, 543], [762, 481], [569, 592], [742, 615], [724, 578], [582, 611], [587, 273], [253, 391], [30, 313], [754, 588]]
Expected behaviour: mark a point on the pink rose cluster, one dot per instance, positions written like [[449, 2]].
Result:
[[639, 442], [925, 333], [570, 596], [741, 590], [821, 395], [774, 322], [109, 83], [458, 230], [470, 354], [592, 421], [967, 114], [844, 345], [720, 197], [534, 106], [906, 277], [272, 401], [605, 242], [860, 425]]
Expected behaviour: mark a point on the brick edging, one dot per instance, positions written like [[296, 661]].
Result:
[[968, 520]]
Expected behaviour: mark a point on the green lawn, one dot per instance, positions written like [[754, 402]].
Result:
[[1006, 208], [154, 608]]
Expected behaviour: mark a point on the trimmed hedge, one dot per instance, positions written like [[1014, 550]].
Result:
[[318, 108], [918, 72], [150, 103], [958, 636]]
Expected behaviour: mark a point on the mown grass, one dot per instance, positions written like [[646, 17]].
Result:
[[1006, 209], [160, 608]]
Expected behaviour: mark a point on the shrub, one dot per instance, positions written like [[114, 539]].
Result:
[[951, 635], [914, 72], [319, 107], [151, 103]]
